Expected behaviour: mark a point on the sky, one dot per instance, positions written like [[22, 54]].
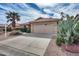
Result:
[[32, 11]]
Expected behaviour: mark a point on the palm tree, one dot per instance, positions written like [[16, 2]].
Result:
[[12, 17]]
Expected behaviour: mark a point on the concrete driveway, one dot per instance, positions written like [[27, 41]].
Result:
[[40, 35], [25, 45]]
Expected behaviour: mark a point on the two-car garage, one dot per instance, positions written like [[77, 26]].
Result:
[[44, 25]]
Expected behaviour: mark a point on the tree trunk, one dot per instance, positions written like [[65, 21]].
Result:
[[13, 25]]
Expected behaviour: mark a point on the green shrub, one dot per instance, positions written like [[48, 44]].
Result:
[[28, 31], [23, 29], [68, 30], [59, 40]]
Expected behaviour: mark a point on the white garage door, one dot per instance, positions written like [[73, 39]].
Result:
[[42, 28]]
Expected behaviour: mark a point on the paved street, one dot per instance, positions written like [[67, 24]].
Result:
[[24, 45]]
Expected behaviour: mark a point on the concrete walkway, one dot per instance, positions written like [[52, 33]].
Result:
[[24, 45]]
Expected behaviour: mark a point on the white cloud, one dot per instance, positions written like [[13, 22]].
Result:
[[28, 13], [45, 4]]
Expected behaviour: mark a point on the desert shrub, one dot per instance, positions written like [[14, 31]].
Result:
[[23, 29], [68, 30], [28, 31]]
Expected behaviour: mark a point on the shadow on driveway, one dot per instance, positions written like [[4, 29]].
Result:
[[41, 35]]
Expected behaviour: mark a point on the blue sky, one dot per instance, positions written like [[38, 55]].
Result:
[[31, 11]]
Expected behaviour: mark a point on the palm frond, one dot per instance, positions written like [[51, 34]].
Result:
[[13, 17]]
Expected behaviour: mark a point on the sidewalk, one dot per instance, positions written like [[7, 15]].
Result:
[[2, 36]]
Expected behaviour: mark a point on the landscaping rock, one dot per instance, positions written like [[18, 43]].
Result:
[[71, 48]]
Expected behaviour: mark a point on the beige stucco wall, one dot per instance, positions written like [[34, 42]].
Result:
[[44, 27]]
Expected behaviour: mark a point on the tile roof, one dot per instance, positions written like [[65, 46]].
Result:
[[46, 19]]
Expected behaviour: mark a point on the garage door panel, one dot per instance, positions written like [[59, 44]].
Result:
[[38, 29], [42, 28]]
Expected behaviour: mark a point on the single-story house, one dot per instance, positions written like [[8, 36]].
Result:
[[44, 25], [16, 26]]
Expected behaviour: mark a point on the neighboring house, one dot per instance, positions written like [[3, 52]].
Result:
[[44, 25], [27, 25]]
